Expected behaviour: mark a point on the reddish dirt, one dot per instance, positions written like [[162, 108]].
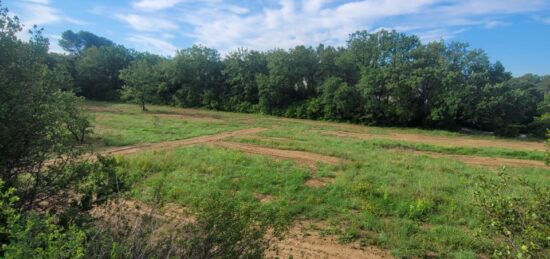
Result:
[[301, 157], [186, 117], [262, 138], [302, 243], [179, 143], [494, 162], [263, 198], [446, 141], [319, 182]]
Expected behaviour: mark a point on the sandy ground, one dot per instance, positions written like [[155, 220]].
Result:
[[445, 141], [301, 242]]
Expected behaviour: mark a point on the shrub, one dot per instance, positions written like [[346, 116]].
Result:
[[33, 235], [519, 224]]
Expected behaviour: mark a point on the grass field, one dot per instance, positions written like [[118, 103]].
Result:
[[408, 192]]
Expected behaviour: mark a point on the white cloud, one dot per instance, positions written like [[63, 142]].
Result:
[[494, 24], [39, 14], [545, 20], [144, 23], [38, 1], [155, 5], [153, 44], [311, 22]]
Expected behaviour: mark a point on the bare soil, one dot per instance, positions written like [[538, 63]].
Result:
[[301, 242], [445, 141], [306, 158], [263, 198], [186, 117], [319, 182]]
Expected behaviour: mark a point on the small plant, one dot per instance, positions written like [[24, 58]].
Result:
[[518, 223]]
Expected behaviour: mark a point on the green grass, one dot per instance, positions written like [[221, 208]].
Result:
[[408, 204], [404, 203], [301, 138], [128, 126]]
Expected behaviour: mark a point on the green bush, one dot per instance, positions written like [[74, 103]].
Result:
[[33, 235], [518, 223]]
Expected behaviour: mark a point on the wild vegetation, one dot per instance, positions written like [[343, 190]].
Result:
[[85, 178]]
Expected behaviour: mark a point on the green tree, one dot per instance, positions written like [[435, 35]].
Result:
[[140, 82], [76, 43], [341, 101], [241, 69], [196, 77], [98, 71], [34, 119]]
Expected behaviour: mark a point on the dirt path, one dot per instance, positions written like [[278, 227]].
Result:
[[179, 143], [186, 117], [300, 243], [302, 157], [445, 141], [494, 162]]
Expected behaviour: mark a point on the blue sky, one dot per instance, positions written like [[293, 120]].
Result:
[[515, 32]]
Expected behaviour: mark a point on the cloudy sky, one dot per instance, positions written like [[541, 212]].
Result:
[[516, 32]]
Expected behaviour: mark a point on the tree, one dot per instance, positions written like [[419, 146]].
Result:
[[241, 69], [140, 81], [98, 71], [33, 119], [76, 43], [196, 77], [341, 101]]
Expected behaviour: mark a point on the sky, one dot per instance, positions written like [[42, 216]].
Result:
[[515, 32]]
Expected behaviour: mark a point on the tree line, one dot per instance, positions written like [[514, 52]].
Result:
[[384, 78]]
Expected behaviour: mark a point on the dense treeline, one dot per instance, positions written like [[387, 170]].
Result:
[[383, 78]]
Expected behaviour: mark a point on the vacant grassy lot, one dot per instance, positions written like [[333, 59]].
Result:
[[406, 191]]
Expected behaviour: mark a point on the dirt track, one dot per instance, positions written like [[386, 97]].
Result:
[[445, 141], [179, 143], [306, 158], [494, 162], [300, 243]]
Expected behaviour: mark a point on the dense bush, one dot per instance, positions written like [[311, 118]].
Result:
[[518, 223]]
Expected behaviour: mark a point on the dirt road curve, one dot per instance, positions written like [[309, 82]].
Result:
[[445, 141], [306, 158], [179, 143]]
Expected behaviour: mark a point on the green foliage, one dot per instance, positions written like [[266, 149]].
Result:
[[227, 229], [76, 43], [195, 76], [341, 101], [38, 121], [140, 82], [97, 71], [519, 224], [33, 235]]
